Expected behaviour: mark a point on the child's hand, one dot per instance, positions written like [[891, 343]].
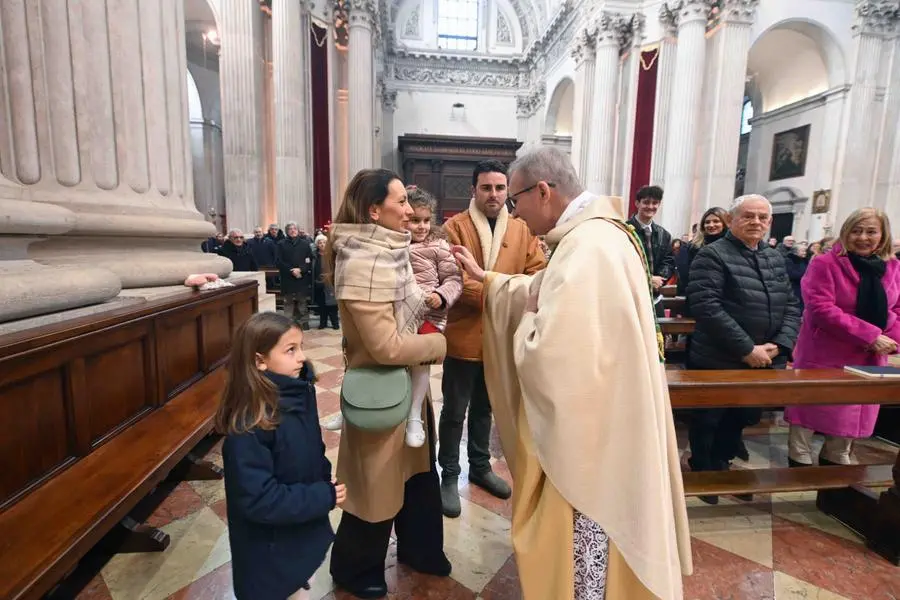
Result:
[[340, 492], [434, 301]]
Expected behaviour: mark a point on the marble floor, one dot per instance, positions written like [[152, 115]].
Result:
[[777, 546]]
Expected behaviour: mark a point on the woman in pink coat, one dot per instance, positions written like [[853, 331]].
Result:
[[851, 317]]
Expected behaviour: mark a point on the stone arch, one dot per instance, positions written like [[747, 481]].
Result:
[[529, 14], [817, 63], [561, 108]]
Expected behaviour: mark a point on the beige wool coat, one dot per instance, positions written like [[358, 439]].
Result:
[[376, 465]]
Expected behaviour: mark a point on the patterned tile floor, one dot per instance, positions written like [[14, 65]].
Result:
[[778, 546]]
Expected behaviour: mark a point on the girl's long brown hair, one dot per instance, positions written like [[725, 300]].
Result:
[[250, 399], [368, 187]]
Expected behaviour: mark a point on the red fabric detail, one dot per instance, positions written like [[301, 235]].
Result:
[[428, 327], [642, 152], [321, 138]]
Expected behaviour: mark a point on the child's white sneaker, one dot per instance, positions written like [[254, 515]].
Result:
[[335, 423], [415, 433]]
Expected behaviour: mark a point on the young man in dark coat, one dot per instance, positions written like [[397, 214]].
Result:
[[294, 259], [657, 241]]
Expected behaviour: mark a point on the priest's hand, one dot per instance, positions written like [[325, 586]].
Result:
[[759, 358], [467, 263]]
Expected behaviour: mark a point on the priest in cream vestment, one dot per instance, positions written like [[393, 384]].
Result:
[[575, 376]]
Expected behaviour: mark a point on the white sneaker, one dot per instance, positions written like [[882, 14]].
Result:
[[335, 423], [415, 433]]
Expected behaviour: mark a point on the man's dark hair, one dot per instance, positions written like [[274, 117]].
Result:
[[653, 192], [487, 166]]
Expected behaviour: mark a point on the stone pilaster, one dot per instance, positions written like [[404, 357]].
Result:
[[96, 149], [523, 114], [681, 145], [584, 53], [730, 46], [342, 145], [603, 113], [665, 76], [293, 113], [886, 179], [875, 22], [363, 19], [388, 108], [241, 71]]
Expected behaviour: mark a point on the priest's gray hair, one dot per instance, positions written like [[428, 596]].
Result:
[[549, 164], [739, 201]]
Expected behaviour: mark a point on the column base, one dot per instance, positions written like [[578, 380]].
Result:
[[30, 289], [138, 261]]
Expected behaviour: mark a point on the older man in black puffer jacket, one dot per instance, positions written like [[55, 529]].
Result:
[[747, 317]]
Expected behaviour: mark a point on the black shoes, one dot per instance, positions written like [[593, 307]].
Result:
[[373, 591], [450, 497], [492, 483], [439, 567]]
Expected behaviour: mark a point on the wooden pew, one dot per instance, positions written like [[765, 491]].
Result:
[[676, 325], [668, 291], [675, 304], [97, 412], [843, 491]]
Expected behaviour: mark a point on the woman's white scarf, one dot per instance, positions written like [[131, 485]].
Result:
[[372, 264]]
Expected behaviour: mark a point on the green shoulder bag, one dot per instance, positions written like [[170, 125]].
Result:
[[376, 398]]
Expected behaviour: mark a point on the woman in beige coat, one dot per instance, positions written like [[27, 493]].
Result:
[[388, 483]]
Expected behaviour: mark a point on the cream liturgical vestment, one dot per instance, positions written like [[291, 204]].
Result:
[[582, 408]]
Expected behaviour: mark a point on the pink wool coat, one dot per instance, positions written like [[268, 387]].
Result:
[[436, 271], [832, 337]]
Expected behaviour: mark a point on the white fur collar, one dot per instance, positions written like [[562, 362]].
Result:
[[489, 250]]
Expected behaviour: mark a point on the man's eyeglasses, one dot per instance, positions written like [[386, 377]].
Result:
[[513, 199]]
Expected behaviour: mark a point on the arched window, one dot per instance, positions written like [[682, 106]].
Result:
[[458, 24], [746, 115]]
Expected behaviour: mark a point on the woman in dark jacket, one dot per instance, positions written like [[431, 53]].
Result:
[[796, 262], [713, 227]]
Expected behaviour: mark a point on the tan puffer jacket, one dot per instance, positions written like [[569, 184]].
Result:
[[436, 271]]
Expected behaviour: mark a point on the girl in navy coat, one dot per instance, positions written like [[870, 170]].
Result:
[[278, 483]]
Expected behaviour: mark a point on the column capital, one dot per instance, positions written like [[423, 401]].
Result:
[[389, 100], [876, 17], [528, 105], [610, 28], [668, 18], [584, 45], [742, 12], [688, 11], [362, 13]]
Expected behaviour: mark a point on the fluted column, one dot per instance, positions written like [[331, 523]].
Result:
[[241, 72], [731, 44], [874, 20], [631, 37], [584, 53], [388, 107], [293, 140], [681, 147], [665, 76], [342, 145], [892, 194], [95, 124], [603, 113], [363, 16], [887, 150]]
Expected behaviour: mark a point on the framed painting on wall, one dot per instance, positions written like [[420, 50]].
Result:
[[789, 150], [821, 202]]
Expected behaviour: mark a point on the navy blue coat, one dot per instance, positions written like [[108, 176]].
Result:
[[278, 492]]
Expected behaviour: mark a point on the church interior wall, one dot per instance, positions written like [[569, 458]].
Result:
[[427, 111]]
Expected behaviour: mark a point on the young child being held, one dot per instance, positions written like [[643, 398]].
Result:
[[278, 483], [438, 276]]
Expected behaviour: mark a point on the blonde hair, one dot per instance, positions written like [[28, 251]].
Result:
[[700, 237], [885, 248], [250, 399]]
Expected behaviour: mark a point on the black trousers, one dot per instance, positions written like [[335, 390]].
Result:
[[360, 547], [715, 435], [328, 313], [464, 388]]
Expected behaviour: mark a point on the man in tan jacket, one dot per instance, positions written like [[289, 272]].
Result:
[[503, 244]]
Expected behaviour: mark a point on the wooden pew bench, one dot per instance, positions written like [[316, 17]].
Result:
[[676, 325], [676, 304], [97, 412], [844, 492]]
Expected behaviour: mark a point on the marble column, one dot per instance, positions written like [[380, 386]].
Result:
[[890, 143], [832, 117], [342, 145], [892, 194], [684, 109], [95, 146], [388, 141], [853, 189], [363, 17], [242, 69], [722, 125], [603, 113], [293, 142], [665, 76], [584, 54], [632, 36]]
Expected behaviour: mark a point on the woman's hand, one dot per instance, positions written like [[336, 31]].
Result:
[[467, 263], [884, 345], [340, 492]]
